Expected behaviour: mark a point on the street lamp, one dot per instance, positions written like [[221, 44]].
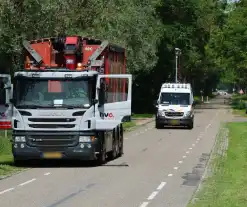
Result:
[[177, 53]]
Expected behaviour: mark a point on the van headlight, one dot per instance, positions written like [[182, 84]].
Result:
[[188, 113], [161, 113], [84, 139], [20, 139]]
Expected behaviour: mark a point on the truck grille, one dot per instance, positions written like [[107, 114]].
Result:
[[51, 123], [174, 114], [51, 126], [52, 140]]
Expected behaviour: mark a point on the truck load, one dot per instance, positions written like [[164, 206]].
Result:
[[70, 100], [174, 106]]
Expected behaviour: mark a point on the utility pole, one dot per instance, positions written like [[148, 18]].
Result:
[[177, 53]]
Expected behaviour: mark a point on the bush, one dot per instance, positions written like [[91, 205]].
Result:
[[239, 101]]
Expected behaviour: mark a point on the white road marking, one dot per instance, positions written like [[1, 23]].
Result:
[[48, 173], [144, 204], [180, 161], [193, 145], [27, 182], [153, 194], [198, 139], [175, 168], [187, 152], [169, 175], [184, 156], [190, 148], [162, 185], [7, 190]]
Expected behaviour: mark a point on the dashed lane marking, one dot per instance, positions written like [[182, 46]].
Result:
[[7, 190], [27, 182]]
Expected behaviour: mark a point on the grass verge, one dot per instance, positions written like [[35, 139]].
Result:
[[6, 158], [227, 184], [142, 116]]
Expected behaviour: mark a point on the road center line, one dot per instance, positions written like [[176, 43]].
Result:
[[27, 182], [7, 190], [162, 184], [153, 194], [48, 173], [144, 204]]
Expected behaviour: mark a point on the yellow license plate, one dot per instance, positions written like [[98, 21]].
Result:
[[52, 155], [174, 122]]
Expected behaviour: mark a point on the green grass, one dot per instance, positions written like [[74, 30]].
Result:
[[6, 158], [142, 115], [227, 187], [128, 125]]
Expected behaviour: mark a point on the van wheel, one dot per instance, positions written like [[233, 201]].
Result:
[[158, 125], [191, 125]]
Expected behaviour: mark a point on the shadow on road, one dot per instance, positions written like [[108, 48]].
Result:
[[62, 164]]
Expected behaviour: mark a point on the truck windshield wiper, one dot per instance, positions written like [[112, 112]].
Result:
[[32, 106], [70, 106]]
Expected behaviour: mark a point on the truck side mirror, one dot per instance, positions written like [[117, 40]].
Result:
[[101, 100], [95, 101]]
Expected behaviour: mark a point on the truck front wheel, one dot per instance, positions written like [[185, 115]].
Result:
[[121, 140], [18, 163], [101, 159]]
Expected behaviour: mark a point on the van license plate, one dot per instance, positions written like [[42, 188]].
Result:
[[174, 122], [52, 155]]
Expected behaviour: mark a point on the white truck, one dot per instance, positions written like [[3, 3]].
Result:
[[175, 105]]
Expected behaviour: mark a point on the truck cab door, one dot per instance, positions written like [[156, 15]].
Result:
[[114, 106], [5, 96]]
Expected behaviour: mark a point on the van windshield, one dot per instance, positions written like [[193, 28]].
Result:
[[175, 98]]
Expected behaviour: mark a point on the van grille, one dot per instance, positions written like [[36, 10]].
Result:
[[174, 114]]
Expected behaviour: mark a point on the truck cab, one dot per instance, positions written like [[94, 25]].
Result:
[[64, 114], [175, 106]]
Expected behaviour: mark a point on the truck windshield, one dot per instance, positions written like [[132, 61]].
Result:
[[53, 93], [175, 98]]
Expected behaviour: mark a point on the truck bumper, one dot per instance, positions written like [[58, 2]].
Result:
[[80, 150], [170, 121]]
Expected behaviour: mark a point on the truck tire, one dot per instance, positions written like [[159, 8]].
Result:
[[121, 140], [158, 125], [18, 163], [115, 147], [101, 159]]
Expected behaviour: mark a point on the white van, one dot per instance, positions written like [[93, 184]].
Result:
[[175, 105]]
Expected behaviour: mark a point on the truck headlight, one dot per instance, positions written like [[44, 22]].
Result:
[[20, 139], [84, 139]]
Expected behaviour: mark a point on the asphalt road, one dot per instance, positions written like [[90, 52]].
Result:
[[160, 168]]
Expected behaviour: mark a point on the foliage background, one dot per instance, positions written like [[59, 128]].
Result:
[[211, 34]]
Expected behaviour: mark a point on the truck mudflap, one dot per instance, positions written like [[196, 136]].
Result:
[[110, 114]]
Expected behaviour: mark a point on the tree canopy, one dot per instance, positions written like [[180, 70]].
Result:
[[210, 34]]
